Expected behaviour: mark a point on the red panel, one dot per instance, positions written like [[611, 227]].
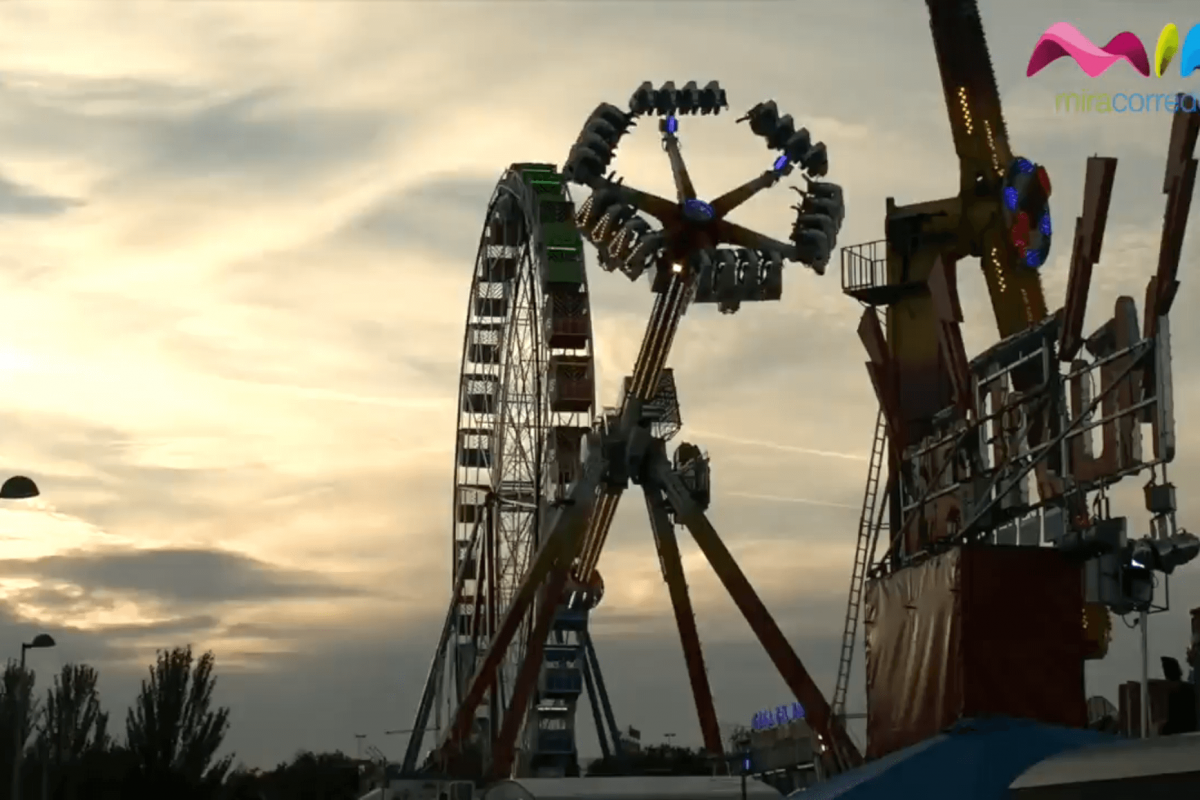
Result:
[[1023, 635], [974, 632]]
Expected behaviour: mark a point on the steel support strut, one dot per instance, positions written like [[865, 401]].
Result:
[[790, 668], [413, 752], [593, 662], [594, 701], [506, 743], [685, 618], [558, 549]]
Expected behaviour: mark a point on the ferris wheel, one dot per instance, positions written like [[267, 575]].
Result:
[[526, 398]]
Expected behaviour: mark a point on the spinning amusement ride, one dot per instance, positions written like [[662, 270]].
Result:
[[963, 440], [538, 477], [539, 470]]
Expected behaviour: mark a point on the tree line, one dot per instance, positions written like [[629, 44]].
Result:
[[658, 759], [60, 745]]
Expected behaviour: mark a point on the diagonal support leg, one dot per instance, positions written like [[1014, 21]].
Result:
[[594, 701], [685, 618], [557, 550], [605, 704], [790, 668], [506, 743], [433, 680]]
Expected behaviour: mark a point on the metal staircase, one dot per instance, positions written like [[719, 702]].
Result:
[[868, 531]]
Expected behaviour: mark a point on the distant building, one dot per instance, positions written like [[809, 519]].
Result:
[[782, 756]]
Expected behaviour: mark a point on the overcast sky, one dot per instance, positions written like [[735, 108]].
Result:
[[235, 244]]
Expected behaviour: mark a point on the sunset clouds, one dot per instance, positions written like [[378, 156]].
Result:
[[235, 246]]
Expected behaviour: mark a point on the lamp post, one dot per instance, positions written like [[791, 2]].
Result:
[[42, 640], [19, 487]]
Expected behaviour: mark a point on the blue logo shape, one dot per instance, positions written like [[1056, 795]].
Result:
[[1189, 56]]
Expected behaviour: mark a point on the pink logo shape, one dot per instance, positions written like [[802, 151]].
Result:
[[1064, 39]]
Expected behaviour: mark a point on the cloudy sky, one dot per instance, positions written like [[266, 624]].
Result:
[[235, 243]]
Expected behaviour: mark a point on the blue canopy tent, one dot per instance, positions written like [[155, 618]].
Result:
[[976, 759]]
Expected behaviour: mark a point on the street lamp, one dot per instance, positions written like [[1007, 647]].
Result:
[[41, 641], [18, 487]]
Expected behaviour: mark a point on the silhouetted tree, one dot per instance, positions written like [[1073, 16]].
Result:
[[73, 724], [173, 732], [308, 776], [108, 773], [245, 784], [659, 759], [16, 697]]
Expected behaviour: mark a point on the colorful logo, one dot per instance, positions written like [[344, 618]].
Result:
[[1064, 39]]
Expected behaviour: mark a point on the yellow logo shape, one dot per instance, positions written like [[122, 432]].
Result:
[[1165, 50]]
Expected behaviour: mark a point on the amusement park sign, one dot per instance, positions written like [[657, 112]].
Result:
[[774, 717]]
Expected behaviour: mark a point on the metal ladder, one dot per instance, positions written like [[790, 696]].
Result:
[[864, 550]]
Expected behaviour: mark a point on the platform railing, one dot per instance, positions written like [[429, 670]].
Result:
[[864, 266]]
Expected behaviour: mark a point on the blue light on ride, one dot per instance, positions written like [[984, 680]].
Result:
[[1010, 198], [781, 164], [1033, 258], [1024, 165], [672, 124], [698, 210], [1044, 224]]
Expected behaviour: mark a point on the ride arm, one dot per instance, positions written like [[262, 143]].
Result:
[[731, 233], [684, 190], [819, 218], [969, 85], [727, 202], [981, 142], [660, 208]]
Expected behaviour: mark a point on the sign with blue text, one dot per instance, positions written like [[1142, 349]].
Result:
[[774, 717]]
